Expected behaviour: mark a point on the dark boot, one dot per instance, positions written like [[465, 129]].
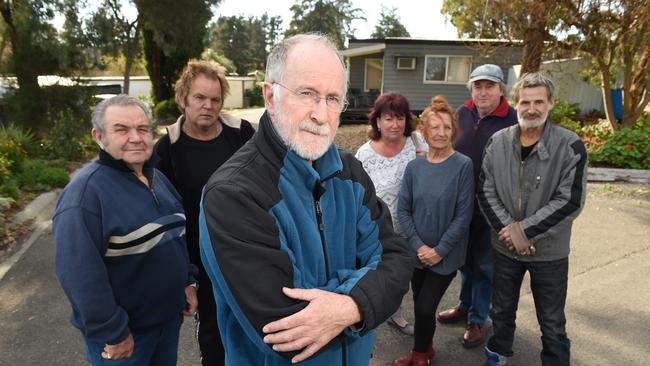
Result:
[[420, 359], [416, 358]]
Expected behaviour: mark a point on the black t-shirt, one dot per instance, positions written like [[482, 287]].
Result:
[[189, 167], [526, 150]]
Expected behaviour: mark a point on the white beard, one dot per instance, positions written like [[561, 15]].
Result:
[[527, 124], [309, 145]]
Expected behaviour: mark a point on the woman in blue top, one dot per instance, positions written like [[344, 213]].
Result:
[[434, 211]]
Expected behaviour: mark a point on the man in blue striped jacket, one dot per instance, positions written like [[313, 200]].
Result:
[[121, 258], [531, 188], [301, 252]]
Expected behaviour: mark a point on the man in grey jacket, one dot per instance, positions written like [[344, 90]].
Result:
[[531, 188]]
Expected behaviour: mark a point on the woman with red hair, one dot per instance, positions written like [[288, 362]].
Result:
[[393, 143]]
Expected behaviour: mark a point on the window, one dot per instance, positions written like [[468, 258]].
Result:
[[447, 69], [374, 74]]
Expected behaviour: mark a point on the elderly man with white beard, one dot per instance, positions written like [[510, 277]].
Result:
[[531, 188], [301, 253]]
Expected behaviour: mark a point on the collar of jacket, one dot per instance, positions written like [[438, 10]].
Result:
[[109, 161], [174, 130], [542, 145], [273, 147], [501, 111]]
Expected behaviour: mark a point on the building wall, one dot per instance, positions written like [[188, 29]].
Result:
[[140, 87], [410, 82]]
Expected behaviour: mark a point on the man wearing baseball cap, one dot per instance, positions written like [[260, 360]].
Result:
[[479, 118]]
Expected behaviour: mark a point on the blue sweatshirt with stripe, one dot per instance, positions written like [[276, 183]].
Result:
[[121, 256]]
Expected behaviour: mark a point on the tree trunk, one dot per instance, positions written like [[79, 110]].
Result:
[[534, 36], [607, 95]]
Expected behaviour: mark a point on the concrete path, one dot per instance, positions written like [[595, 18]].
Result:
[[607, 307]]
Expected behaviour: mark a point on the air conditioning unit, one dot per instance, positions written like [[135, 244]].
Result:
[[406, 63]]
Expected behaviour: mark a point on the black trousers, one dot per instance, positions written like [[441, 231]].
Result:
[[208, 336], [548, 283], [428, 288]]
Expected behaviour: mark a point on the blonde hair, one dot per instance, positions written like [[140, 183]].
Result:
[[194, 68]]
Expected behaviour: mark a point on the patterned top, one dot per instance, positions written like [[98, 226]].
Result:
[[387, 173]]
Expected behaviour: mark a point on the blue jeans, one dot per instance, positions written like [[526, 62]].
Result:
[[548, 283], [154, 348], [476, 273]]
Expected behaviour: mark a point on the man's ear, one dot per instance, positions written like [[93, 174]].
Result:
[[267, 92], [97, 136]]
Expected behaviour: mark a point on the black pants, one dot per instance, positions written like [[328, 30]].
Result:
[[548, 283], [428, 288], [209, 338]]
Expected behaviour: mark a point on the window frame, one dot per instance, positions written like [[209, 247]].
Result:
[[446, 57], [365, 73]]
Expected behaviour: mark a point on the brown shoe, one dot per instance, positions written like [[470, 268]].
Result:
[[415, 358], [453, 315], [474, 335]]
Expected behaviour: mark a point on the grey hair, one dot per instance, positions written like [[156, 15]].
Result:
[[277, 59], [502, 86], [121, 100], [533, 80]]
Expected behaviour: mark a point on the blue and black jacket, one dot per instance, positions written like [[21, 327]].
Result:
[[270, 219], [121, 256]]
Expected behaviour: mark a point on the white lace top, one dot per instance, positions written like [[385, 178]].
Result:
[[387, 173]]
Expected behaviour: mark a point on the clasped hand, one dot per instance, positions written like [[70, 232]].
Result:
[[428, 256], [326, 316]]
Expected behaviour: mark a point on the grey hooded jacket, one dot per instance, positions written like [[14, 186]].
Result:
[[545, 192]]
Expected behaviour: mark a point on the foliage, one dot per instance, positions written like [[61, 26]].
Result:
[[612, 34], [167, 110], [35, 50], [37, 175], [14, 154], [565, 115], [211, 55], [173, 33], [245, 41], [254, 95], [331, 17], [116, 35], [65, 139], [626, 148], [595, 135], [389, 25], [22, 137]]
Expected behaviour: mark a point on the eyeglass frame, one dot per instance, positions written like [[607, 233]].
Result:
[[315, 98]]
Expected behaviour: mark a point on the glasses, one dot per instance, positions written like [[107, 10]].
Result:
[[310, 99]]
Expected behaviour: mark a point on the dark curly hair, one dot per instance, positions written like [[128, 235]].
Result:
[[389, 103]]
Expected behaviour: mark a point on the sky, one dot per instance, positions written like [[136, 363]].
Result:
[[421, 18]]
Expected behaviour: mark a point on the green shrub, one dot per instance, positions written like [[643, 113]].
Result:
[[38, 176], [5, 204], [14, 154], [566, 114], [626, 148], [66, 139], [254, 95], [167, 110], [595, 135], [23, 137]]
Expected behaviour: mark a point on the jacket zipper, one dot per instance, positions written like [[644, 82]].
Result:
[[521, 174], [150, 188], [321, 226]]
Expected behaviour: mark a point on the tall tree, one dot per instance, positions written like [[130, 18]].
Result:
[[616, 35], [513, 20], [331, 17], [174, 32], [389, 25], [112, 31], [613, 34], [35, 50], [245, 41]]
